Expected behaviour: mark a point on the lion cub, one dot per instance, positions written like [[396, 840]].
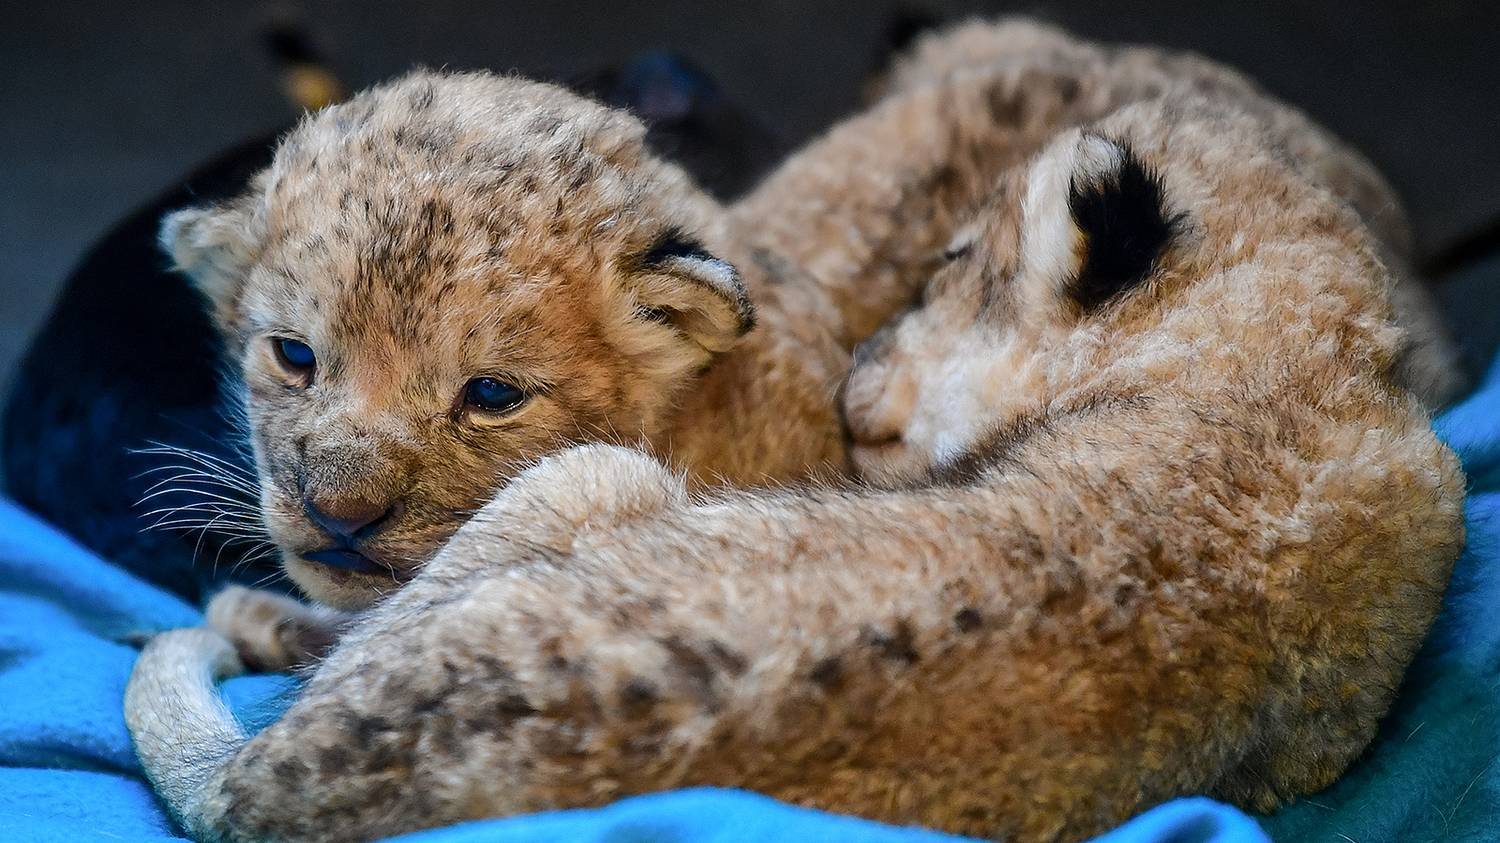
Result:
[[1154, 517]]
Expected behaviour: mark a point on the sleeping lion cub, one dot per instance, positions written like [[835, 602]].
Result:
[[1153, 514]]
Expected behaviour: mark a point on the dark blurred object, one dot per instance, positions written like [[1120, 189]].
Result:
[[305, 77], [690, 121], [128, 357], [906, 25]]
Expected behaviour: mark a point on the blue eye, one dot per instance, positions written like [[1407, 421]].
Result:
[[493, 396], [296, 356]]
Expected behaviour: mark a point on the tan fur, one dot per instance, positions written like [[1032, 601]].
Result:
[[1184, 542], [448, 227]]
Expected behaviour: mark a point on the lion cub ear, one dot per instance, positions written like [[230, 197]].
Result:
[[215, 246], [1096, 222], [678, 283]]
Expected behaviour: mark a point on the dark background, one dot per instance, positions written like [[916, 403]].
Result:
[[103, 103]]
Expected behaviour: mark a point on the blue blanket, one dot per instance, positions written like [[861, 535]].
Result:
[[70, 623]]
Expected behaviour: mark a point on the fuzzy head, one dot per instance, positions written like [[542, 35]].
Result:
[[437, 283], [1057, 249], [1176, 249]]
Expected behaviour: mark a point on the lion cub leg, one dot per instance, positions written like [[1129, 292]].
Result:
[[273, 632]]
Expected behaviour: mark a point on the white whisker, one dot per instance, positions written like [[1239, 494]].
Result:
[[184, 490], [221, 501], [243, 517], [210, 462]]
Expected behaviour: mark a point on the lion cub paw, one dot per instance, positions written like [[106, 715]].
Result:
[[271, 632]]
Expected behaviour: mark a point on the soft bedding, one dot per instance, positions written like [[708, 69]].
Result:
[[70, 624]]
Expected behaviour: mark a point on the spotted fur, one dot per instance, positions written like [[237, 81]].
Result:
[[1186, 542]]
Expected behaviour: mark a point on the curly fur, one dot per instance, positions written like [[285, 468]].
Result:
[[1180, 537]]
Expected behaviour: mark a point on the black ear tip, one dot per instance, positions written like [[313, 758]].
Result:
[[674, 246], [674, 243], [747, 317], [1126, 225]]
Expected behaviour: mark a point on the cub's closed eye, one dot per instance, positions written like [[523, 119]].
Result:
[[295, 356], [960, 250], [492, 395]]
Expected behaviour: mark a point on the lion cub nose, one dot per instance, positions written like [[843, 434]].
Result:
[[869, 422], [349, 517], [876, 404]]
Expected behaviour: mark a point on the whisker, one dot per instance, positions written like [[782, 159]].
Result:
[[230, 469], [204, 459], [196, 466], [188, 526], [266, 580], [158, 493], [197, 473], [221, 501], [193, 482], [252, 558], [234, 520], [197, 476], [204, 502]]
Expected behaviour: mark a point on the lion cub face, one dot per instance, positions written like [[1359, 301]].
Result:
[[432, 285], [1044, 265]]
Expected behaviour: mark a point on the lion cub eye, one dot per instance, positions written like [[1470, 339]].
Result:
[[958, 251], [296, 357], [493, 396]]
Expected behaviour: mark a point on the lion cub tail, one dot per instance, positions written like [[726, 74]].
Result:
[[183, 732]]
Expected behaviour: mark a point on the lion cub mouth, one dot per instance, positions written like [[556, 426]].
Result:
[[340, 563], [345, 559]]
